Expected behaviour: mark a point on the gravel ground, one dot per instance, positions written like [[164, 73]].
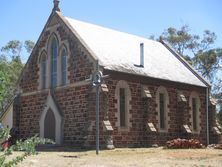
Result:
[[141, 157]]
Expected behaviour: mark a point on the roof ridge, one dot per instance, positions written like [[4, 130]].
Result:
[[110, 29]]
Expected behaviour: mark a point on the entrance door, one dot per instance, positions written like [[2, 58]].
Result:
[[49, 125]]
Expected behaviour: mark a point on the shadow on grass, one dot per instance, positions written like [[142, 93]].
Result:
[[70, 156], [60, 148]]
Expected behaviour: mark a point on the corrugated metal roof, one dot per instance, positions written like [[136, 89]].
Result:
[[121, 52]]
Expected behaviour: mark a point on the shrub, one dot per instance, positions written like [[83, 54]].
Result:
[[28, 146]]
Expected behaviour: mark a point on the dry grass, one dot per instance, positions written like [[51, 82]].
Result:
[[141, 157]]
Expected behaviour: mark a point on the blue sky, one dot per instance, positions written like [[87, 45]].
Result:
[[25, 19]]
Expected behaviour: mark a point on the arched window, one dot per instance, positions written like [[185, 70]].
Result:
[[194, 103], [43, 70], [162, 101], [63, 66], [54, 55], [123, 97]]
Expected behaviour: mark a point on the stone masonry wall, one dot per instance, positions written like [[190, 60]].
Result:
[[73, 103], [214, 138], [72, 100], [144, 111], [30, 111], [80, 64]]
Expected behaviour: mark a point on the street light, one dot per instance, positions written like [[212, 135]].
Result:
[[97, 80]]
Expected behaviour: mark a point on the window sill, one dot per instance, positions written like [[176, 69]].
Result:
[[123, 128], [163, 131], [195, 132]]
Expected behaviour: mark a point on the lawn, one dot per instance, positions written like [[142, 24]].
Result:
[[139, 157]]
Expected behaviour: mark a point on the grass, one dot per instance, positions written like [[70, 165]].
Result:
[[136, 157]]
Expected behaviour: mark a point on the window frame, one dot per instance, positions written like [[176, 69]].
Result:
[[43, 70], [128, 124], [53, 62], [194, 95], [122, 103], [162, 110], [64, 56], [162, 90]]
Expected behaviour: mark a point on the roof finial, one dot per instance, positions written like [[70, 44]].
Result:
[[56, 5]]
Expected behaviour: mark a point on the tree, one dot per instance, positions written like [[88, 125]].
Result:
[[179, 39], [29, 45], [198, 51], [208, 62], [11, 67]]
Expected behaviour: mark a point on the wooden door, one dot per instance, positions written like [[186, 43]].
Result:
[[49, 125]]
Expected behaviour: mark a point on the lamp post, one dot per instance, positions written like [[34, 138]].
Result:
[[97, 81]]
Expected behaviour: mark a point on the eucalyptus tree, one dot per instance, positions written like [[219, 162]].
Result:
[[11, 67]]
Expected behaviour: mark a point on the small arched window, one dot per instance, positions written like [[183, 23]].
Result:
[[123, 97], [162, 100], [43, 70], [194, 103], [64, 66], [54, 55]]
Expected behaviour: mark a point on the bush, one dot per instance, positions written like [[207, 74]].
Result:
[[28, 146]]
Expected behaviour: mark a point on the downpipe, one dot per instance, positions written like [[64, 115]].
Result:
[[207, 112]]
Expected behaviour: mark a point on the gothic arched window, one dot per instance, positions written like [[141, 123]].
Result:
[[123, 97], [43, 69], [63, 66], [162, 101], [54, 55], [194, 103]]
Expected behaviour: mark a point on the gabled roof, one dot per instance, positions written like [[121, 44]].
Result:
[[120, 51]]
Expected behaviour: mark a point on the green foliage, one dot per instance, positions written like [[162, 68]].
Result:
[[179, 39], [9, 73], [4, 134], [13, 48], [28, 146], [198, 51], [29, 45], [15, 161], [208, 62], [10, 68]]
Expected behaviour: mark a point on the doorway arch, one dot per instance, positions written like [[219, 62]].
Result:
[[51, 121], [49, 125]]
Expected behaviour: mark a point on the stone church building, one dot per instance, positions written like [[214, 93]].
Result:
[[151, 94]]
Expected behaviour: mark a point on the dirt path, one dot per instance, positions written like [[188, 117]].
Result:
[[155, 157]]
